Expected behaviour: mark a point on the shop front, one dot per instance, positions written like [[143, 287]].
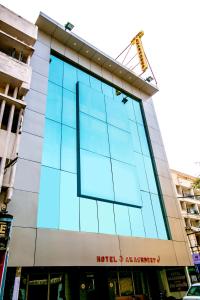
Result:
[[86, 283]]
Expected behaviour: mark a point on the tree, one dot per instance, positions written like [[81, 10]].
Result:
[[196, 184]]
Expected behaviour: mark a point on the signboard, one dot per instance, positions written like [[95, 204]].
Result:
[[5, 226], [177, 280], [196, 258], [128, 259]]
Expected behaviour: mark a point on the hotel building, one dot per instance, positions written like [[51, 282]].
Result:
[[84, 172]]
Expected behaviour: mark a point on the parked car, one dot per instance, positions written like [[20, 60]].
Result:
[[193, 293]]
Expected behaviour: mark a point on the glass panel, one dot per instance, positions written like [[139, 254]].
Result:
[[83, 77], [91, 102], [106, 217], [162, 234], [37, 287], [69, 109], [68, 149], [135, 137], [137, 225], [51, 146], [139, 162], [126, 284], [116, 113], [107, 90], [49, 198], [93, 135], [138, 114], [70, 77], [69, 202], [54, 102], [122, 220], [148, 216], [88, 215], [56, 287], [126, 184], [130, 109], [96, 176], [95, 84], [143, 140], [120, 145], [150, 175], [56, 70]]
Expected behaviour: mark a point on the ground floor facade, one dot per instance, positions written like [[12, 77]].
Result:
[[95, 283]]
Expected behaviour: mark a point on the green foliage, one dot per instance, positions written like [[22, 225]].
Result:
[[196, 183]]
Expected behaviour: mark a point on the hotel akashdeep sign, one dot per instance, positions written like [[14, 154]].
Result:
[[128, 259]]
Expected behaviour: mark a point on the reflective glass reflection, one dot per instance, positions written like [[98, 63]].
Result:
[[56, 70], [116, 113], [88, 215], [54, 102], [137, 225], [69, 77], [68, 149], [107, 90], [162, 234], [150, 175], [106, 217], [126, 185], [129, 108], [143, 140], [141, 172], [135, 137], [91, 102], [93, 135], [49, 198], [69, 202], [95, 84], [122, 220], [148, 216], [120, 144], [137, 110], [69, 108], [83, 77], [51, 144], [96, 176]]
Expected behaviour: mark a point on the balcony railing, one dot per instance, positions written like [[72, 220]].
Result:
[[194, 197]]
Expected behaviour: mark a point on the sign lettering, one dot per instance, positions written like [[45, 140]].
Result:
[[128, 259]]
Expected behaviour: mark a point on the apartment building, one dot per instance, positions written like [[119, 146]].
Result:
[[86, 177], [189, 199]]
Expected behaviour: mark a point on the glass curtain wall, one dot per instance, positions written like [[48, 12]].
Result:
[[97, 173]]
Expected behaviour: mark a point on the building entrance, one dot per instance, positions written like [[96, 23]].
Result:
[[85, 283]]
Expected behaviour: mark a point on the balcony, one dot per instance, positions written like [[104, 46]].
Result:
[[15, 72], [189, 198], [18, 27]]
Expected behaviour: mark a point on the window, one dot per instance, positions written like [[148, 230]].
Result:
[[120, 145], [69, 202], [106, 217], [91, 102], [56, 70], [96, 176], [97, 173], [54, 102], [126, 185], [93, 135], [88, 215], [122, 220], [51, 144], [49, 198]]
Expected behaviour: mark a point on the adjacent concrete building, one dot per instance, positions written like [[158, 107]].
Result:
[[188, 197], [95, 214]]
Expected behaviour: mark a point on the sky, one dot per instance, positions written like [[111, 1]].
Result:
[[172, 43]]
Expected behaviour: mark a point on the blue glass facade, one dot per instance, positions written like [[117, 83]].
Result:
[[97, 173]]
